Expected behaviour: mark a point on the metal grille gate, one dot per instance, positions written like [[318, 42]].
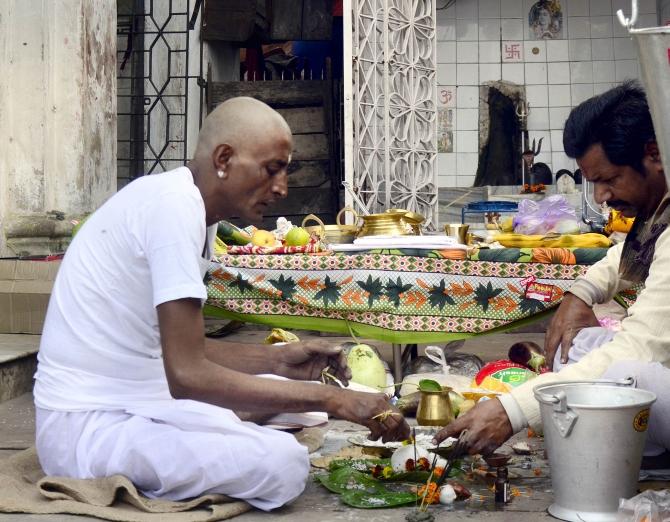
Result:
[[153, 66]]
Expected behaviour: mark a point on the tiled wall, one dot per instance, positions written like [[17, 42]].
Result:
[[484, 40]]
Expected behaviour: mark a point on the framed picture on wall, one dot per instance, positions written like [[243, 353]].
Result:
[[545, 20]]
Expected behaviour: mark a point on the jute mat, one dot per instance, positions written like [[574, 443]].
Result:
[[25, 489]]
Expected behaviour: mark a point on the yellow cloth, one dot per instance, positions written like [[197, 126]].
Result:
[[617, 222], [553, 241]]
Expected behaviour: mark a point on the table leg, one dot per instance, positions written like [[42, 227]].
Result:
[[397, 362]]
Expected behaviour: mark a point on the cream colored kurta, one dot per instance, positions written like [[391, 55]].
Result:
[[644, 335]]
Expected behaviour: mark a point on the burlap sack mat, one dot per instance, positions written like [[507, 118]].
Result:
[[25, 489]]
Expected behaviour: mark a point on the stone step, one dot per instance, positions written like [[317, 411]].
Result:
[[18, 360]]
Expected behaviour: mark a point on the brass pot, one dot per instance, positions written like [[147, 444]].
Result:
[[337, 233], [435, 408], [412, 218], [385, 224]]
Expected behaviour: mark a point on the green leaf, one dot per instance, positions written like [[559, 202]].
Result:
[[429, 385], [438, 297], [374, 289], [241, 283], [394, 289], [329, 292], [415, 477], [285, 286], [531, 306], [385, 499], [348, 479], [484, 293]]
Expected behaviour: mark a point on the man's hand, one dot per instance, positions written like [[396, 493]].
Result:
[[572, 315], [309, 361], [487, 424], [372, 410]]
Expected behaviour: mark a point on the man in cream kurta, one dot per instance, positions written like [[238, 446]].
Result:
[[613, 140]]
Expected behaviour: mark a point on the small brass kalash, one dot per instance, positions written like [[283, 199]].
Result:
[[393, 222], [435, 408]]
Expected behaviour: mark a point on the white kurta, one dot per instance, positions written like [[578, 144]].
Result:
[[102, 397]]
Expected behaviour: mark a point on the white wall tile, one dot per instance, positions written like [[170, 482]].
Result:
[[489, 72], [624, 49], [489, 8], [578, 7], [512, 28], [489, 29], [467, 74], [467, 97], [560, 160], [467, 141], [625, 70], [513, 72], [617, 29], [445, 30], [446, 164], [446, 52], [446, 96], [580, 92], [446, 181], [446, 73], [646, 20], [465, 181], [579, 50], [556, 140], [646, 6], [558, 72], [467, 9], [535, 51], [466, 163], [579, 27], [512, 51], [603, 71], [599, 7], [467, 30], [537, 96], [559, 96], [536, 73], [601, 26], [581, 72], [602, 49], [467, 119], [511, 9], [467, 52], [538, 119], [558, 116], [557, 51], [489, 52], [599, 88]]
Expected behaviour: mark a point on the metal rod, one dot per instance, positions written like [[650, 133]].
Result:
[[628, 23]]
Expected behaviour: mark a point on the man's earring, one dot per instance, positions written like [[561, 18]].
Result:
[[222, 174]]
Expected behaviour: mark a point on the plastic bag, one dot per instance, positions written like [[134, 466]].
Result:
[[648, 506], [552, 214]]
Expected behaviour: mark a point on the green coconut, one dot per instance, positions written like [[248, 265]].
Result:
[[366, 367]]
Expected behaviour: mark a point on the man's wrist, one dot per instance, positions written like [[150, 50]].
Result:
[[515, 414]]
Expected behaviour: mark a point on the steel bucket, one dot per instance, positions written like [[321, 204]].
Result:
[[594, 432], [653, 48]]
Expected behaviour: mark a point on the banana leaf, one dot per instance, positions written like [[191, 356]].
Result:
[[385, 499], [348, 479]]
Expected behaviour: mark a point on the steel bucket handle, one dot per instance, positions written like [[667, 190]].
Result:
[[628, 23], [565, 418]]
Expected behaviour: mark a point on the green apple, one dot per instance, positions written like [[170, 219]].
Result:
[[297, 236]]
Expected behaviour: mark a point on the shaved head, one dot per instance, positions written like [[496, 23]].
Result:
[[236, 122]]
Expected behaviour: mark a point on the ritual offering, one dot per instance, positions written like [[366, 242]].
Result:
[[366, 367], [528, 354], [337, 233]]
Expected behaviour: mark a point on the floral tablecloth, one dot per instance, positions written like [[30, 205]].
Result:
[[392, 298]]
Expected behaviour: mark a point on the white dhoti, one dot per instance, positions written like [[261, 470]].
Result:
[[175, 449], [651, 376]]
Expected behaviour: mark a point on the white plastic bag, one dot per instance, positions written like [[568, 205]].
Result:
[[551, 214], [648, 506]]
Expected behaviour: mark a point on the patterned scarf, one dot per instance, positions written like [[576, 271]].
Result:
[[638, 249]]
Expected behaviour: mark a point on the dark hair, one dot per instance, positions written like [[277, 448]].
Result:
[[618, 119]]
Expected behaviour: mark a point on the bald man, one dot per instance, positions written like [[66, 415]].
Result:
[[128, 384]]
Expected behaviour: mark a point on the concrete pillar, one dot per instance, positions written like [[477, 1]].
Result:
[[57, 118]]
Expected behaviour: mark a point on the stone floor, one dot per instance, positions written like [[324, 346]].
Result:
[[317, 504]]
